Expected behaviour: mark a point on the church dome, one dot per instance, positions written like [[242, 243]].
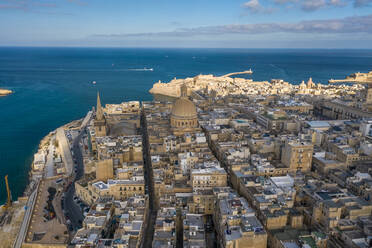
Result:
[[184, 115], [183, 108]]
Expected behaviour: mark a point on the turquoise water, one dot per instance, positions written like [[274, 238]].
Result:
[[53, 86]]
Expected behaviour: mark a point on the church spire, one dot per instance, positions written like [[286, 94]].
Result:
[[99, 111]]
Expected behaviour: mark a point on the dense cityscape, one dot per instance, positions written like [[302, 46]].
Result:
[[186, 124], [211, 162]]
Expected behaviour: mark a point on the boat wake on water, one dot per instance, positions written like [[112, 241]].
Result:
[[141, 69]]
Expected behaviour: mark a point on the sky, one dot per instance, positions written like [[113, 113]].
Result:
[[187, 23]]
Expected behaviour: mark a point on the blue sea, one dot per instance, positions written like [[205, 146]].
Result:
[[53, 86]]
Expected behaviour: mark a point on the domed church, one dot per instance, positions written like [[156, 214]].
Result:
[[184, 115]]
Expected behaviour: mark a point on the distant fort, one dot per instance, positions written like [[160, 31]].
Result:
[[171, 90]]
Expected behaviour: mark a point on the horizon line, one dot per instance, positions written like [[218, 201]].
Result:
[[160, 47]]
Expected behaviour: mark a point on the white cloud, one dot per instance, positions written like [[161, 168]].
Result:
[[26, 5], [355, 24], [285, 1], [254, 6], [336, 3], [313, 5]]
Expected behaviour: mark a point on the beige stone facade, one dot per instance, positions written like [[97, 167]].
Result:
[[297, 155], [105, 170]]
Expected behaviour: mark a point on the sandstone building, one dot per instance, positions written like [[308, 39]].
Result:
[[297, 155], [184, 116]]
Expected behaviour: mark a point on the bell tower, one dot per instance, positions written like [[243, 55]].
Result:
[[100, 120]]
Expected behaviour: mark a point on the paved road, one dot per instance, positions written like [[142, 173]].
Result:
[[65, 150], [26, 219], [49, 165], [149, 230], [73, 211], [86, 120]]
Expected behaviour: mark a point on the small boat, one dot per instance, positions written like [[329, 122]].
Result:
[[94, 82]]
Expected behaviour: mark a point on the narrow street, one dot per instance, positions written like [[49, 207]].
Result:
[[149, 230]]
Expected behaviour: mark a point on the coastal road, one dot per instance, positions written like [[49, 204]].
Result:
[[65, 150], [86, 120], [73, 210], [26, 219], [49, 165]]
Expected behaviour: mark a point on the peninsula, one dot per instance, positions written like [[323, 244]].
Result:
[[230, 162], [201, 82], [5, 92], [226, 86]]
